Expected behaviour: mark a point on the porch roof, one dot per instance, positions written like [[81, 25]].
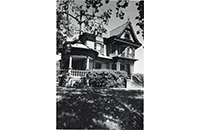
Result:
[[81, 49]]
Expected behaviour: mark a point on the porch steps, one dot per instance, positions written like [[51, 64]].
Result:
[[133, 85]]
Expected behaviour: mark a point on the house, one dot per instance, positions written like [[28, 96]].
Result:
[[115, 52]]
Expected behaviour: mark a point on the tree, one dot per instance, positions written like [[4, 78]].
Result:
[[140, 18], [88, 15]]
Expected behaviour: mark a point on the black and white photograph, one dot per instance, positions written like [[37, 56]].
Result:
[[79, 64], [100, 76]]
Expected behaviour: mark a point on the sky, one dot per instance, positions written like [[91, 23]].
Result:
[[130, 12]]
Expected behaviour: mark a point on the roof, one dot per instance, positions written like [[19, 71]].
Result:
[[119, 29], [81, 49], [117, 32]]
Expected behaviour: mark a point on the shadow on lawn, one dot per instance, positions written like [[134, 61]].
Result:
[[100, 109]]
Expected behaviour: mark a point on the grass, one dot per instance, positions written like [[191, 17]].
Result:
[[99, 109]]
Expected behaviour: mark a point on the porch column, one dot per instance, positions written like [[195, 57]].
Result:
[[118, 66], [70, 65], [117, 49], [116, 52], [110, 65], [132, 71], [88, 63], [70, 62]]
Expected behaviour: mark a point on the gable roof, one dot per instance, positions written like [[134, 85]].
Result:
[[117, 32]]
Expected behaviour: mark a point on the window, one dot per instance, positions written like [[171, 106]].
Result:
[[107, 65], [97, 65], [90, 44], [127, 52], [130, 52], [100, 48], [122, 67], [113, 66]]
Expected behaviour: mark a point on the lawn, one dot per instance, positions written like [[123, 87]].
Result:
[[99, 109]]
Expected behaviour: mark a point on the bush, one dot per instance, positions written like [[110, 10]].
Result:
[[81, 83], [106, 78]]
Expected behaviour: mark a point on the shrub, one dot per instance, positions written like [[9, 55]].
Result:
[[106, 78], [80, 83]]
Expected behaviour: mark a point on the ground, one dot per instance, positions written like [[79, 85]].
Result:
[[115, 109]]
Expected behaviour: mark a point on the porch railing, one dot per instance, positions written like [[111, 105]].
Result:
[[78, 73]]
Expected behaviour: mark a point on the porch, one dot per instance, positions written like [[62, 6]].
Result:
[[78, 66]]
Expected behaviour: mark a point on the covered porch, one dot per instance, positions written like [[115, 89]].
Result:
[[79, 60], [78, 66]]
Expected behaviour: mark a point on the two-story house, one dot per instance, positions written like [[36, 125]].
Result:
[[117, 52]]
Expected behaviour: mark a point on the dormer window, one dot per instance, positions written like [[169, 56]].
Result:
[[99, 47]]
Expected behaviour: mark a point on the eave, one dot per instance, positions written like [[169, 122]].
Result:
[[82, 51], [114, 39], [124, 59], [119, 57], [128, 42]]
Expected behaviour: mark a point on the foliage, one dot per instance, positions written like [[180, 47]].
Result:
[[90, 14], [63, 23], [57, 73], [98, 108], [64, 79], [82, 83], [140, 18], [140, 77], [107, 78]]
